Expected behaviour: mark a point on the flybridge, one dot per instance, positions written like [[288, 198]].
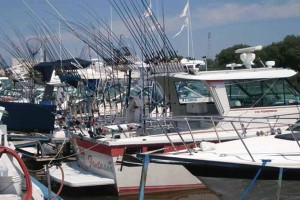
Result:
[[247, 56]]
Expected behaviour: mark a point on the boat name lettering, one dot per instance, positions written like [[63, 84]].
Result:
[[265, 111], [99, 165]]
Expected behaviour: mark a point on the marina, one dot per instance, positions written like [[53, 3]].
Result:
[[130, 118]]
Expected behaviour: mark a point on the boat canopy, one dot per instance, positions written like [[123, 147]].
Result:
[[46, 68]]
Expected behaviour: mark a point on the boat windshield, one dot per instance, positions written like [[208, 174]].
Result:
[[192, 92], [258, 93]]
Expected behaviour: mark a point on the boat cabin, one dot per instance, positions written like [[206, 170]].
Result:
[[247, 92]]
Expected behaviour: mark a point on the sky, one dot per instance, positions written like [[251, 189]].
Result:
[[215, 24]]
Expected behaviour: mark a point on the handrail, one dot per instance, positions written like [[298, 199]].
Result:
[[166, 135], [181, 137], [224, 119], [231, 120], [215, 128], [243, 142], [190, 130]]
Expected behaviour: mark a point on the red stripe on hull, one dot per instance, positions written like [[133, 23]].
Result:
[[119, 150], [100, 148]]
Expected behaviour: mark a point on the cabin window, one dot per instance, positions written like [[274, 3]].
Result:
[[192, 92], [258, 93]]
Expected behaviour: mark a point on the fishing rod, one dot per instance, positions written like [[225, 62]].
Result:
[[162, 33], [153, 40], [57, 39]]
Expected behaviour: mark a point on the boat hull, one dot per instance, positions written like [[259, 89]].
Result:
[[161, 177]]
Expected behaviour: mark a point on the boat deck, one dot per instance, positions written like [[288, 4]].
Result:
[[75, 176]]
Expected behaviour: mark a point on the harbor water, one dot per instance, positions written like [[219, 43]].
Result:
[[96, 193]]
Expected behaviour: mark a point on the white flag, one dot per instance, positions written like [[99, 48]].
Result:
[[184, 12], [182, 27], [186, 23], [148, 11]]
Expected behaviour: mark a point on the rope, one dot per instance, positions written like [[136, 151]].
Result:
[[61, 183]]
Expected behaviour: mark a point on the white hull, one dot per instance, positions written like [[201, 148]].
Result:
[[160, 177]]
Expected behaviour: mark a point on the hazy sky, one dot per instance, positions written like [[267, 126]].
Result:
[[229, 22]]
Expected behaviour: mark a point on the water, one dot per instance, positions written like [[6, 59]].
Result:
[[106, 194]]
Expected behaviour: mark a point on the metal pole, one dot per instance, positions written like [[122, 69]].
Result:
[[143, 177], [279, 183], [189, 127], [48, 181], [242, 142], [264, 162]]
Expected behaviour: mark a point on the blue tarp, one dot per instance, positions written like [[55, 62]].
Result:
[[28, 117]]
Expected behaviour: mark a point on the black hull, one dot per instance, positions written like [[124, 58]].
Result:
[[228, 170]]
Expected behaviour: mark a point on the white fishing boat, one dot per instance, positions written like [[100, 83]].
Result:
[[109, 151], [15, 180], [264, 167]]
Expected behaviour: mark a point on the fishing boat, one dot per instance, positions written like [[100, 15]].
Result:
[[264, 167], [198, 101], [16, 182]]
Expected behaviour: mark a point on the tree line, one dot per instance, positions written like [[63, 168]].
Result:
[[285, 53]]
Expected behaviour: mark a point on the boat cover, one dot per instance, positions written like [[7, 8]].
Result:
[[28, 117], [46, 68]]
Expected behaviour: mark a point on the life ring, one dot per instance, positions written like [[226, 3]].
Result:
[[28, 193]]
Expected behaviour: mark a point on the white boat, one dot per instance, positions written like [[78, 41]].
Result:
[[264, 167], [238, 94], [15, 180]]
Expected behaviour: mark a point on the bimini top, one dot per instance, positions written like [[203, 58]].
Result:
[[236, 74], [46, 68]]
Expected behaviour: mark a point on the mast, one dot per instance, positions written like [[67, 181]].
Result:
[[190, 30]]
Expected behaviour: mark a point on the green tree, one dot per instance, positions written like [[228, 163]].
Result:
[[227, 56], [271, 52], [285, 53], [291, 52]]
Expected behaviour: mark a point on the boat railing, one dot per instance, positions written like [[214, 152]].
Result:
[[219, 125], [291, 131], [167, 68]]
